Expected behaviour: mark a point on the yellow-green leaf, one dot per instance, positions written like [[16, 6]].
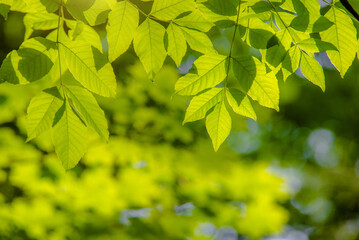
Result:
[[218, 124], [69, 136], [149, 46], [200, 104], [121, 27]]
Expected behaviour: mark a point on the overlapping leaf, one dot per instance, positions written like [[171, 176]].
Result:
[[170, 9], [31, 62], [343, 35], [121, 27], [41, 112], [211, 70], [86, 106], [69, 136], [89, 67], [149, 46], [218, 124]]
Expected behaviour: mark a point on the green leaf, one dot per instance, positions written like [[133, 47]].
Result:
[[41, 112], [177, 46], [149, 46], [35, 6], [218, 10], [69, 136], [253, 79], [313, 45], [89, 67], [169, 9], [83, 32], [308, 12], [312, 70], [30, 63], [5, 6], [86, 106], [218, 124], [195, 20], [40, 21], [91, 12], [256, 33], [211, 70], [343, 35], [291, 62], [198, 41], [240, 103], [121, 27], [200, 104]]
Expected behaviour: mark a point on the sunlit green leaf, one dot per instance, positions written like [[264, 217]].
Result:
[[69, 136], [211, 70], [195, 20], [343, 35], [31, 62], [149, 46], [200, 104], [312, 70], [218, 124], [86, 106], [240, 103], [253, 79], [121, 27], [41, 112], [177, 46], [87, 65], [169, 9], [198, 41]]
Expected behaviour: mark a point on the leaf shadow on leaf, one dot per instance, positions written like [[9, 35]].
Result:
[[322, 24], [101, 18], [7, 70], [301, 22], [288, 64], [59, 114], [33, 64], [80, 5], [237, 95], [54, 91], [225, 8], [77, 9], [276, 52], [245, 70], [259, 38], [184, 14], [50, 5], [4, 10], [100, 58], [225, 24]]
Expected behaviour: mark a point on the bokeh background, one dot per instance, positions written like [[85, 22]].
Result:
[[292, 175]]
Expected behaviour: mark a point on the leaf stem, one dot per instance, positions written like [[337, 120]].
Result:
[[231, 49], [59, 24], [149, 15], [281, 19]]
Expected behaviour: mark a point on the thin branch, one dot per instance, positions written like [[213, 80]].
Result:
[[59, 24], [281, 19], [231, 49]]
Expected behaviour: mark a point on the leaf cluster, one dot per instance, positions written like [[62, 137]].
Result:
[[284, 36]]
